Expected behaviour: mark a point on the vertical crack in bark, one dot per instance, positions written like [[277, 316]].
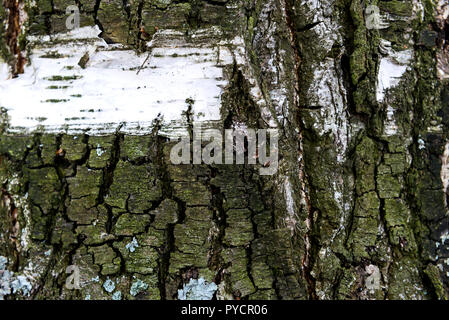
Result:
[[219, 217], [96, 20], [167, 193], [249, 249], [140, 28], [12, 212], [307, 259]]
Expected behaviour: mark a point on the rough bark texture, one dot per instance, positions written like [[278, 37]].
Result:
[[13, 47], [357, 209]]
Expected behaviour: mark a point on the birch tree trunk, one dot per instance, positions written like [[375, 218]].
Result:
[[358, 208]]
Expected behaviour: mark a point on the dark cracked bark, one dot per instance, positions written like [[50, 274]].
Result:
[[357, 209]]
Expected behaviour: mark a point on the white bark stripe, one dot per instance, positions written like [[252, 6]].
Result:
[[108, 92]]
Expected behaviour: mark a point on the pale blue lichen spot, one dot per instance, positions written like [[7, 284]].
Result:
[[117, 295], [138, 287], [3, 262], [197, 289], [132, 245], [5, 283], [21, 284], [421, 144], [109, 285], [100, 150]]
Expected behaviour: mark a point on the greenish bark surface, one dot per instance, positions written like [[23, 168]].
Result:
[[358, 207]]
